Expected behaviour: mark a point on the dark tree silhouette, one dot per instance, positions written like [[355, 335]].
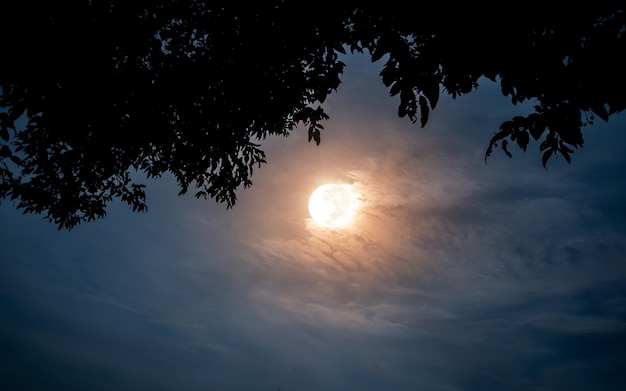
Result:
[[94, 91]]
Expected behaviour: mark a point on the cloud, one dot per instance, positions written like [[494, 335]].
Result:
[[572, 324], [455, 275], [453, 259]]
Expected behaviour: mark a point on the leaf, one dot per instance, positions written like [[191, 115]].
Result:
[[564, 147], [489, 150], [546, 156], [505, 148], [5, 151], [401, 110], [432, 93], [389, 73], [395, 89], [505, 86], [6, 122], [424, 110], [536, 126], [379, 51], [522, 137], [339, 48], [572, 135], [317, 137], [600, 111]]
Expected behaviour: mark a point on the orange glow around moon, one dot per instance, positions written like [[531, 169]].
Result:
[[332, 205]]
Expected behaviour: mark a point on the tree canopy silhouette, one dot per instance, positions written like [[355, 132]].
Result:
[[93, 91]]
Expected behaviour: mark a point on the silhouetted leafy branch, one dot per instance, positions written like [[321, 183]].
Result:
[[190, 88]]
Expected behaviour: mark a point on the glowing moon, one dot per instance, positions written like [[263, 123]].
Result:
[[331, 205]]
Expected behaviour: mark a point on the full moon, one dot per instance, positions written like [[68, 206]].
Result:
[[331, 205]]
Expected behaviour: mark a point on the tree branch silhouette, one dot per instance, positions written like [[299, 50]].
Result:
[[94, 91]]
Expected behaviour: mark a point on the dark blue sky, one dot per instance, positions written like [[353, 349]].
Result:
[[455, 275]]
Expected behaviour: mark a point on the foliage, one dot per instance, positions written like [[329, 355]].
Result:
[[93, 91]]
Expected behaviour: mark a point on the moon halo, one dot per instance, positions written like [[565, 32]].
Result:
[[332, 205]]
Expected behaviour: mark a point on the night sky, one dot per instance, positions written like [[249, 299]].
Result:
[[455, 274]]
